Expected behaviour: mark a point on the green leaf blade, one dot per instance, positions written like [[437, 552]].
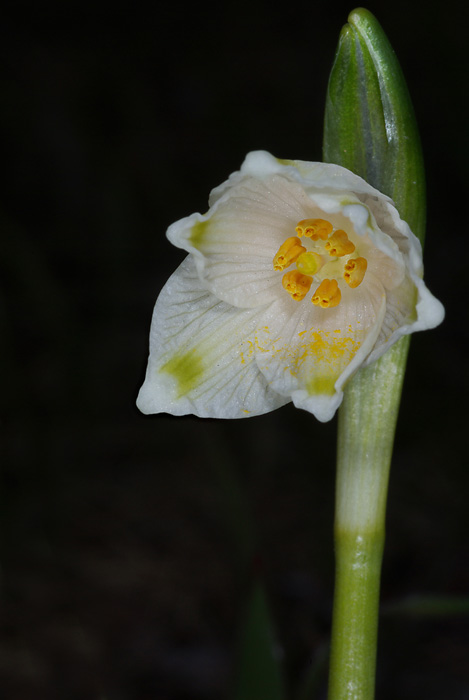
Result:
[[259, 673]]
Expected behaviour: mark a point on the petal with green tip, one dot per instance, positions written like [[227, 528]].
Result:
[[239, 330], [202, 355]]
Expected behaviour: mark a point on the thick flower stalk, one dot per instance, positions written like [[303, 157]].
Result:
[[299, 274], [370, 128]]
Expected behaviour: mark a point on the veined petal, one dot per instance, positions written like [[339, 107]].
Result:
[[389, 270], [308, 353], [202, 355], [336, 190], [311, 176], [409, 308], [234, 244]]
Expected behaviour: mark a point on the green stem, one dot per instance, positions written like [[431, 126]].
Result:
[[353, 654], [369, 128], [367, 421]]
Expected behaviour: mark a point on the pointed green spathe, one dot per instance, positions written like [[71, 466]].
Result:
[[370, 126]]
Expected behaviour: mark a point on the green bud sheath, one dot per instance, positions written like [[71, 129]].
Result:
[[370, 126]]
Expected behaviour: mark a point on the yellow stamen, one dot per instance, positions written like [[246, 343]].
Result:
[[309, 263], [339, 244], [354, 271], [296, 284], [327, 295], [314, 228], [288, 253]]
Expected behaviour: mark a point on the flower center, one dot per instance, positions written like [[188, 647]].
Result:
[[325, 258]]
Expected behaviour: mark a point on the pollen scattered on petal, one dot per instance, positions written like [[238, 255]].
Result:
[[288, 253], [314, 228], [339, 244], [309, 263], [327, 295], [296, 284], [354, 271]]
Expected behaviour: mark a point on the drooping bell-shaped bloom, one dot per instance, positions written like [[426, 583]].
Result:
[[299, 274]]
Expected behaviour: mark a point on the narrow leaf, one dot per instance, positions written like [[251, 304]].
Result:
[[428, 606], [259, 673]]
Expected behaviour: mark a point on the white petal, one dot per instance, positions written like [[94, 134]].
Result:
[[308, 353], [410, 308], [326, 176], [390, 270], [202, 355], [235, 243]]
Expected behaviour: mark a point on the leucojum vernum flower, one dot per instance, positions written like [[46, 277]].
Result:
[[299, 274]]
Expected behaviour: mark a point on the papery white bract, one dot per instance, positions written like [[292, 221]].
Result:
[[299, 274]]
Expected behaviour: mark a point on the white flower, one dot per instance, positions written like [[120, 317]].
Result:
[[299, 274]]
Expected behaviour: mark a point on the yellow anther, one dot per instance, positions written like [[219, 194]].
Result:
[[354, 271], [327, 295], [309, 263], [339, 244], [314, 228], [296, 284], [288, 253]]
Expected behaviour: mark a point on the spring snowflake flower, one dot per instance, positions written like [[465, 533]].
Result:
[[299, 274]]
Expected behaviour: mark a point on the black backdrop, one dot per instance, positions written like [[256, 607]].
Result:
[[121, 576]]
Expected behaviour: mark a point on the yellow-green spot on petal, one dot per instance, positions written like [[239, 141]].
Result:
[[345, 202], [331, 352], [198, 233], [321, 385], [186, 369]]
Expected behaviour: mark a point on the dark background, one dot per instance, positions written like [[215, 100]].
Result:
[[125, 538]]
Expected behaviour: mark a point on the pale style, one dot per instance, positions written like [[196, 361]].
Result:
[[299, 274]]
